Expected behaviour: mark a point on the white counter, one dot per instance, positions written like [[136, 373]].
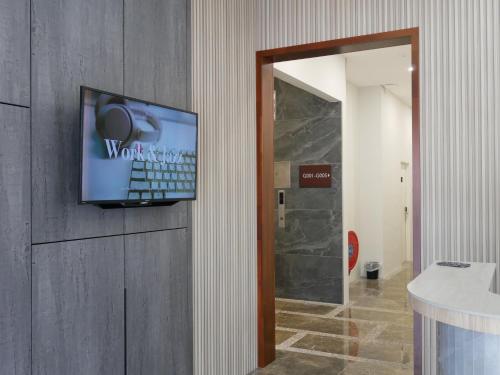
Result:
[[458, 296]]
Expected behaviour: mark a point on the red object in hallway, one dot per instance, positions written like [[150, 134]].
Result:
[[353, 245]]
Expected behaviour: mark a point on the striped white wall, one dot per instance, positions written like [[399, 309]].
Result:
[[224, 216], [460, 142], [460, 109]]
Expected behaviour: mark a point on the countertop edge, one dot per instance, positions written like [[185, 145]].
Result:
[[453, 315]]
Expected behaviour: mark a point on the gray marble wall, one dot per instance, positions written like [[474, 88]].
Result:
[[309, 248], [64, 268]]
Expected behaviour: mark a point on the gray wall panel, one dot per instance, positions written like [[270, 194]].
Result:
[[158, 303], [78, 310], [189, 273], [156, 218], [15, 52], [78, 307], [307, 130], [15, 244], [156, 70], [156, 51], [74, 43]]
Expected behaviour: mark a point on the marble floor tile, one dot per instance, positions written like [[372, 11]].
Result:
[[372, 285], [324, 325], [405, 320], [304, 307], [397, 333], [395, 293], [369, 368], [379, 321], [395, 283], [388, 352], [376, 316], [383, 303], [282, 336], [360, 291], [289, 363]]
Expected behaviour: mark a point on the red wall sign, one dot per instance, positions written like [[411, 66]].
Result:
[[315, 176]]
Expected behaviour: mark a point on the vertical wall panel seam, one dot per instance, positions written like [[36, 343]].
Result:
[[31, 185]]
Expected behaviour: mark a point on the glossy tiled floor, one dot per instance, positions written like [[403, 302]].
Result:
[[373, 335]]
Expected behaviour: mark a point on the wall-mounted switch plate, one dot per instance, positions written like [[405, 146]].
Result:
[[281, 208]]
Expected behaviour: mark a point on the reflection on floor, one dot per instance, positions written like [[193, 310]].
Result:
[[373, 335]]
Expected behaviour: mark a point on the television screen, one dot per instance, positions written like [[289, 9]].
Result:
[[135, 152]]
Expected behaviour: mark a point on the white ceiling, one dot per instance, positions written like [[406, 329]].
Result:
[[382, 67]]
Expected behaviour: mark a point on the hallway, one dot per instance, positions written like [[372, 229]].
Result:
[[373, 335]]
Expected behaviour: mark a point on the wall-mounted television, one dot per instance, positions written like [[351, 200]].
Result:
[[135, 153]]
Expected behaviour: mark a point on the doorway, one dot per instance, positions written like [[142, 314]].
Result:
[[265, 169]]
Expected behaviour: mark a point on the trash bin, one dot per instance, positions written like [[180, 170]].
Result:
[[372, 269]]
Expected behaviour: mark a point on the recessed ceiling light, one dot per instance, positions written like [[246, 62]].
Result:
[[411, 68]]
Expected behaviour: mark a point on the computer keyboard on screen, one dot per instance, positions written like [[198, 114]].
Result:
[[155, 180]]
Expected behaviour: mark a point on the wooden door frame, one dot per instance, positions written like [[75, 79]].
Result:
[[265, 169]]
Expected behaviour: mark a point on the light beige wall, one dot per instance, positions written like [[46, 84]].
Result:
[[371, 177], [382, 123], [224, 215], [325, 75], [396, 148], [350, 170], [460, 92]]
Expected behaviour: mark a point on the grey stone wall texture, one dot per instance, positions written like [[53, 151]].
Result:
[[309, 248], [65, 268]]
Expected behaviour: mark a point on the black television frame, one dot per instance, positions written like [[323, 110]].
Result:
[[138, 202]]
